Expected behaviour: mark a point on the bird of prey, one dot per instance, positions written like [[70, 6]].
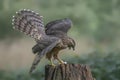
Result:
[[50, 39]]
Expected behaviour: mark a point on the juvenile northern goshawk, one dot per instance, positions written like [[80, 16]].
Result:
[[50, 39]]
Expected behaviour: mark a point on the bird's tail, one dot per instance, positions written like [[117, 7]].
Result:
[[35, 62]]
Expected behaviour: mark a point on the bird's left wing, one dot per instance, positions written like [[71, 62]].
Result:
[[41, 54], [58, 26]]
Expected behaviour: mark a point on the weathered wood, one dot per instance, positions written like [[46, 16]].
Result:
[[68, 72]]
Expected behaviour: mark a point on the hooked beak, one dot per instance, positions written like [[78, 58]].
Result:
[[72, 45]]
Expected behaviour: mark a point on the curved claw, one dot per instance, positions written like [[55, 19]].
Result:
[[61, 61]]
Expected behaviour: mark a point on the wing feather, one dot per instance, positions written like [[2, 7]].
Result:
[[30, 23], [58, 26]]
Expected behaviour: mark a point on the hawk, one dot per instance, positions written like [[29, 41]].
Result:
[[50, 39]]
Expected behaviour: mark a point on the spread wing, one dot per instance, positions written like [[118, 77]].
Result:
[[44, 52], [58, 27], [30, 23]]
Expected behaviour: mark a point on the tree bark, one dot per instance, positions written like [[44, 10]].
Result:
[[68, 72]]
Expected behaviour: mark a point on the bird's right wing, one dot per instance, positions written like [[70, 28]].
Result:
[[41, 54], [30, 23]]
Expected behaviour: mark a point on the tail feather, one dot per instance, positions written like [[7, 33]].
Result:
[[35, 62]]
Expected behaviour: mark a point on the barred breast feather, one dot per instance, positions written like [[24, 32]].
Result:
[[30, 23]]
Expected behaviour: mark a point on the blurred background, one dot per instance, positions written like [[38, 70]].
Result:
[[96, 30]]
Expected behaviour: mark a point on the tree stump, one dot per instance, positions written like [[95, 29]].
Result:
[[68, 72]]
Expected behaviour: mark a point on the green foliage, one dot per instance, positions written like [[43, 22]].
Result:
[[5, 22], [103, 67]]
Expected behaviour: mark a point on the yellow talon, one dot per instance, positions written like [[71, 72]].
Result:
[[61, 61]]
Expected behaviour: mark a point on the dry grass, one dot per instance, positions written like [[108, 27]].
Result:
[[18, 54], [15, 55]]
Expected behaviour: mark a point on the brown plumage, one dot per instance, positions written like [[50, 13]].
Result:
[[50, 39]]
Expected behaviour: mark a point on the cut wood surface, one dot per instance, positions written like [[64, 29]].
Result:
[[68, 72]]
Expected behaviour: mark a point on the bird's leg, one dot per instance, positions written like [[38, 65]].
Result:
[[60, 60], [49, 57], [51, 62]]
